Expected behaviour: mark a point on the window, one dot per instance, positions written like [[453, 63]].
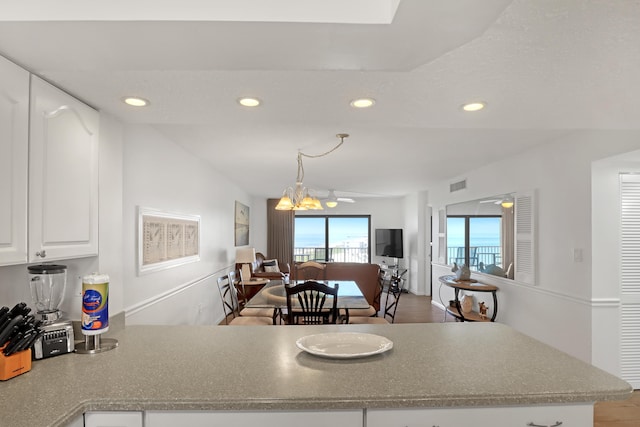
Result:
[[332, 238], [474, 241]]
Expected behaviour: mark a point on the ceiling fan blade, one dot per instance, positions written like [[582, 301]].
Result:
[[346, 200]]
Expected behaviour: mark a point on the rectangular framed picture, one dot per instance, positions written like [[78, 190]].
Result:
[[166, 239], [241, 224]]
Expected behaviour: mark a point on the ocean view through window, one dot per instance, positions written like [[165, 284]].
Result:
[[474, 241], [332, 238]]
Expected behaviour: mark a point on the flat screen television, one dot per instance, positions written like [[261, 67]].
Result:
[[389, 242]]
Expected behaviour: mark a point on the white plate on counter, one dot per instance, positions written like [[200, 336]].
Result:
[[344, 345]]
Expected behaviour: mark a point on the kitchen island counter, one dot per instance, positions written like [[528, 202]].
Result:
[[260, 368]]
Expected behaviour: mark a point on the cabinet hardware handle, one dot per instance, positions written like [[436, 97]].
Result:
[[42, 253], [558, 423]]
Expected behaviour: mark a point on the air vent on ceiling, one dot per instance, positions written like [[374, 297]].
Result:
[[456, 186]]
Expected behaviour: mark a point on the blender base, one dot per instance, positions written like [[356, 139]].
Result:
[[94, 344]]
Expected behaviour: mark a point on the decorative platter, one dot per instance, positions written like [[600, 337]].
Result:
[[344, 345]]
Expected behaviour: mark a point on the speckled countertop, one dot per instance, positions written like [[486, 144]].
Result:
[[240, 367]]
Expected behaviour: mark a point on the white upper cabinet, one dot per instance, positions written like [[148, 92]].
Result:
[[14, 125], [63, 175]]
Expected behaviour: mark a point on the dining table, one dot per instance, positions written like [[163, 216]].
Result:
[[274, 295]]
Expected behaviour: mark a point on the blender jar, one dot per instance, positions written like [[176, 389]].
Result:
[[47, 283]]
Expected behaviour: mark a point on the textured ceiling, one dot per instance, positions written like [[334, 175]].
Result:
[[546, 68]]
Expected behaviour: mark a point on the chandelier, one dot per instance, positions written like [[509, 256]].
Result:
[[298, 198]]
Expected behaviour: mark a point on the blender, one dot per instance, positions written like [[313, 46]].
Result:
[[47, 283]]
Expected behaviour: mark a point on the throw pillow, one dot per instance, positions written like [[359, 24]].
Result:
[[271, 266]]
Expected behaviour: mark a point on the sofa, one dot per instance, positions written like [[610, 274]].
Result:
[[365, 275], [259, 268]]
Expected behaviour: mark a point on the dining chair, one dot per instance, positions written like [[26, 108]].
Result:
[[394, 291], [359, 315], [473, 256], [310, 270], [231, 306], [270, 312], [312, 303]]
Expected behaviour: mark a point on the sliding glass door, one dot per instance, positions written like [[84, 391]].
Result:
[[332, 238]]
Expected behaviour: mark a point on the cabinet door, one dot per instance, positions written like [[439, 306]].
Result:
[[351, 418], [568, 416], [113, 419], [14, 128], [63, 175]]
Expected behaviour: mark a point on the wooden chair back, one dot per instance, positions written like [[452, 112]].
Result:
[[394, 291], [315, 303], [378, 295], [311, 270], [229, 296]]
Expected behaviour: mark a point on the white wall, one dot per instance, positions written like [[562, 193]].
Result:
[[418, 234], [558, 310], [159, 174], [110, 213]]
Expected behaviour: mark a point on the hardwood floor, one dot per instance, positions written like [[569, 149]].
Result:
[[418, 309], [618, 414]]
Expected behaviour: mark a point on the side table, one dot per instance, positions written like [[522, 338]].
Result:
[[469, 285]]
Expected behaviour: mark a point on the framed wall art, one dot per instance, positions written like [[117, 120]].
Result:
[[166, 239], [241, 224]]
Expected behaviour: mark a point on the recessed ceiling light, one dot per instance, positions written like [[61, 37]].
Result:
[[135, 101], [249, 102], [474, 106], [363, 103]]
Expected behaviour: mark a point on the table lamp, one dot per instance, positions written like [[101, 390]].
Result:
[[246, 257]]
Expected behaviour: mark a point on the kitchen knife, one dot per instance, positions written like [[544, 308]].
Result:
[[17, 309], [13, 344], [20, 344], [28, 321], [6, 333], [5, 322], [32, 340], [28, 340], [4, 313]]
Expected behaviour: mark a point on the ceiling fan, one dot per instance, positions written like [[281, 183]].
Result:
[[494, 201], [331, 201], [506, 201]]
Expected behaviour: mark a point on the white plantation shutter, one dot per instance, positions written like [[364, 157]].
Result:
[[630, 278], [525, 245], [442, 242]]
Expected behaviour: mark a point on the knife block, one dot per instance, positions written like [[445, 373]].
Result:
[[14, 365]]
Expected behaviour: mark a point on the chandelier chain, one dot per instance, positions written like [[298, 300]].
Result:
[[300, 175]]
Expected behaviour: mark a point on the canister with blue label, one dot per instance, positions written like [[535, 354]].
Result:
[[95, 304]]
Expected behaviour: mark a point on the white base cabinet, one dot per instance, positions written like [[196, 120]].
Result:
[[579, 415], [113, 419], [543, 416], [78, 422], [351, 418]]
